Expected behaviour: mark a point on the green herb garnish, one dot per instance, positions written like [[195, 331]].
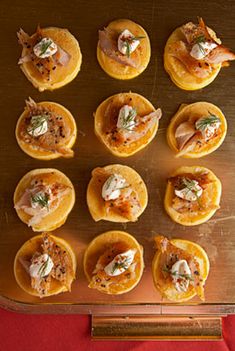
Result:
[[44, 46], [190, 185], [130, 118], [121, 265], [40, 199], [199, 40], [37, 123], [181, 275], [205, 122], [43, 268], [128, 41]]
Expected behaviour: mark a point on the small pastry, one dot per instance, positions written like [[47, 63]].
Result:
[[51, 58], [45, 265], [46, 130], [196, 130], [116, 193], [192, 195], [126, 123], [123, 49], [180, 269], [113, 262], [43, 199], [194, 56]]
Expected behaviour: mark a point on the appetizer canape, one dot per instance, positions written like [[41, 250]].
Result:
[[113, 262], [192, 195], [43, 199], [51, 58], [194, 56], [123, 49], [180, 269], [45, 265], [46, 130], [196, 130], [116, 193], [125, 123]]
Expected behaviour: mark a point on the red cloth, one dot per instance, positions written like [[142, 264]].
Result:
[[20, 332]]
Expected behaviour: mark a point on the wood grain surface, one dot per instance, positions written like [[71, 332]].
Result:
[[82, 96]]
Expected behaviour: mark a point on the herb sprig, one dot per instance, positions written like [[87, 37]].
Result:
[[190, 185], [37, 123], [207, 121], [44, 46], [127, 120], [43, 268], [199, 40], [121, 265], [181, 275], [41, 199], [128, 42]]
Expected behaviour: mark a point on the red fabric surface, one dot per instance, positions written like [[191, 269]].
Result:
[[20, 332]]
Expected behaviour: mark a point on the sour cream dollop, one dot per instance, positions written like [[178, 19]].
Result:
[[127, 36], [41, 266], [111, 189], [45, 48], [38, 126], [181, 274], [202, 49], [126, 118], [190, 194], [209, 129], [120, 263]]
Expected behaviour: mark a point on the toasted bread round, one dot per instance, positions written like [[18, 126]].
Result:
[[212, 193], [96, 203], [116, 69], [63, 74], [102, 121], [199, 255], [104, 242], [177, 71], [26, 252], [38, 152], [57, 217], [197, 110]]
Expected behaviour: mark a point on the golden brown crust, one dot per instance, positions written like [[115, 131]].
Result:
[[64, 74], [116, 69], [26, 252], [56, 218], [103, 120], [212, 195], [104, 242], [195, 111], [95, 202], [178, 73], [168, 291], [42, 153]]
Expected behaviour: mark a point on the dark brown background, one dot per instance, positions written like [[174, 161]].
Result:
[[81, 97]]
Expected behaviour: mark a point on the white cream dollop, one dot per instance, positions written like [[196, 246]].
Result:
[[202, 49], [38, 126], [111, 189], [40, 197], [45, 48], [126, 118], [41, 266], [190, 194], [209, 129], [120, 263], [181, 275], [127, 36]]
